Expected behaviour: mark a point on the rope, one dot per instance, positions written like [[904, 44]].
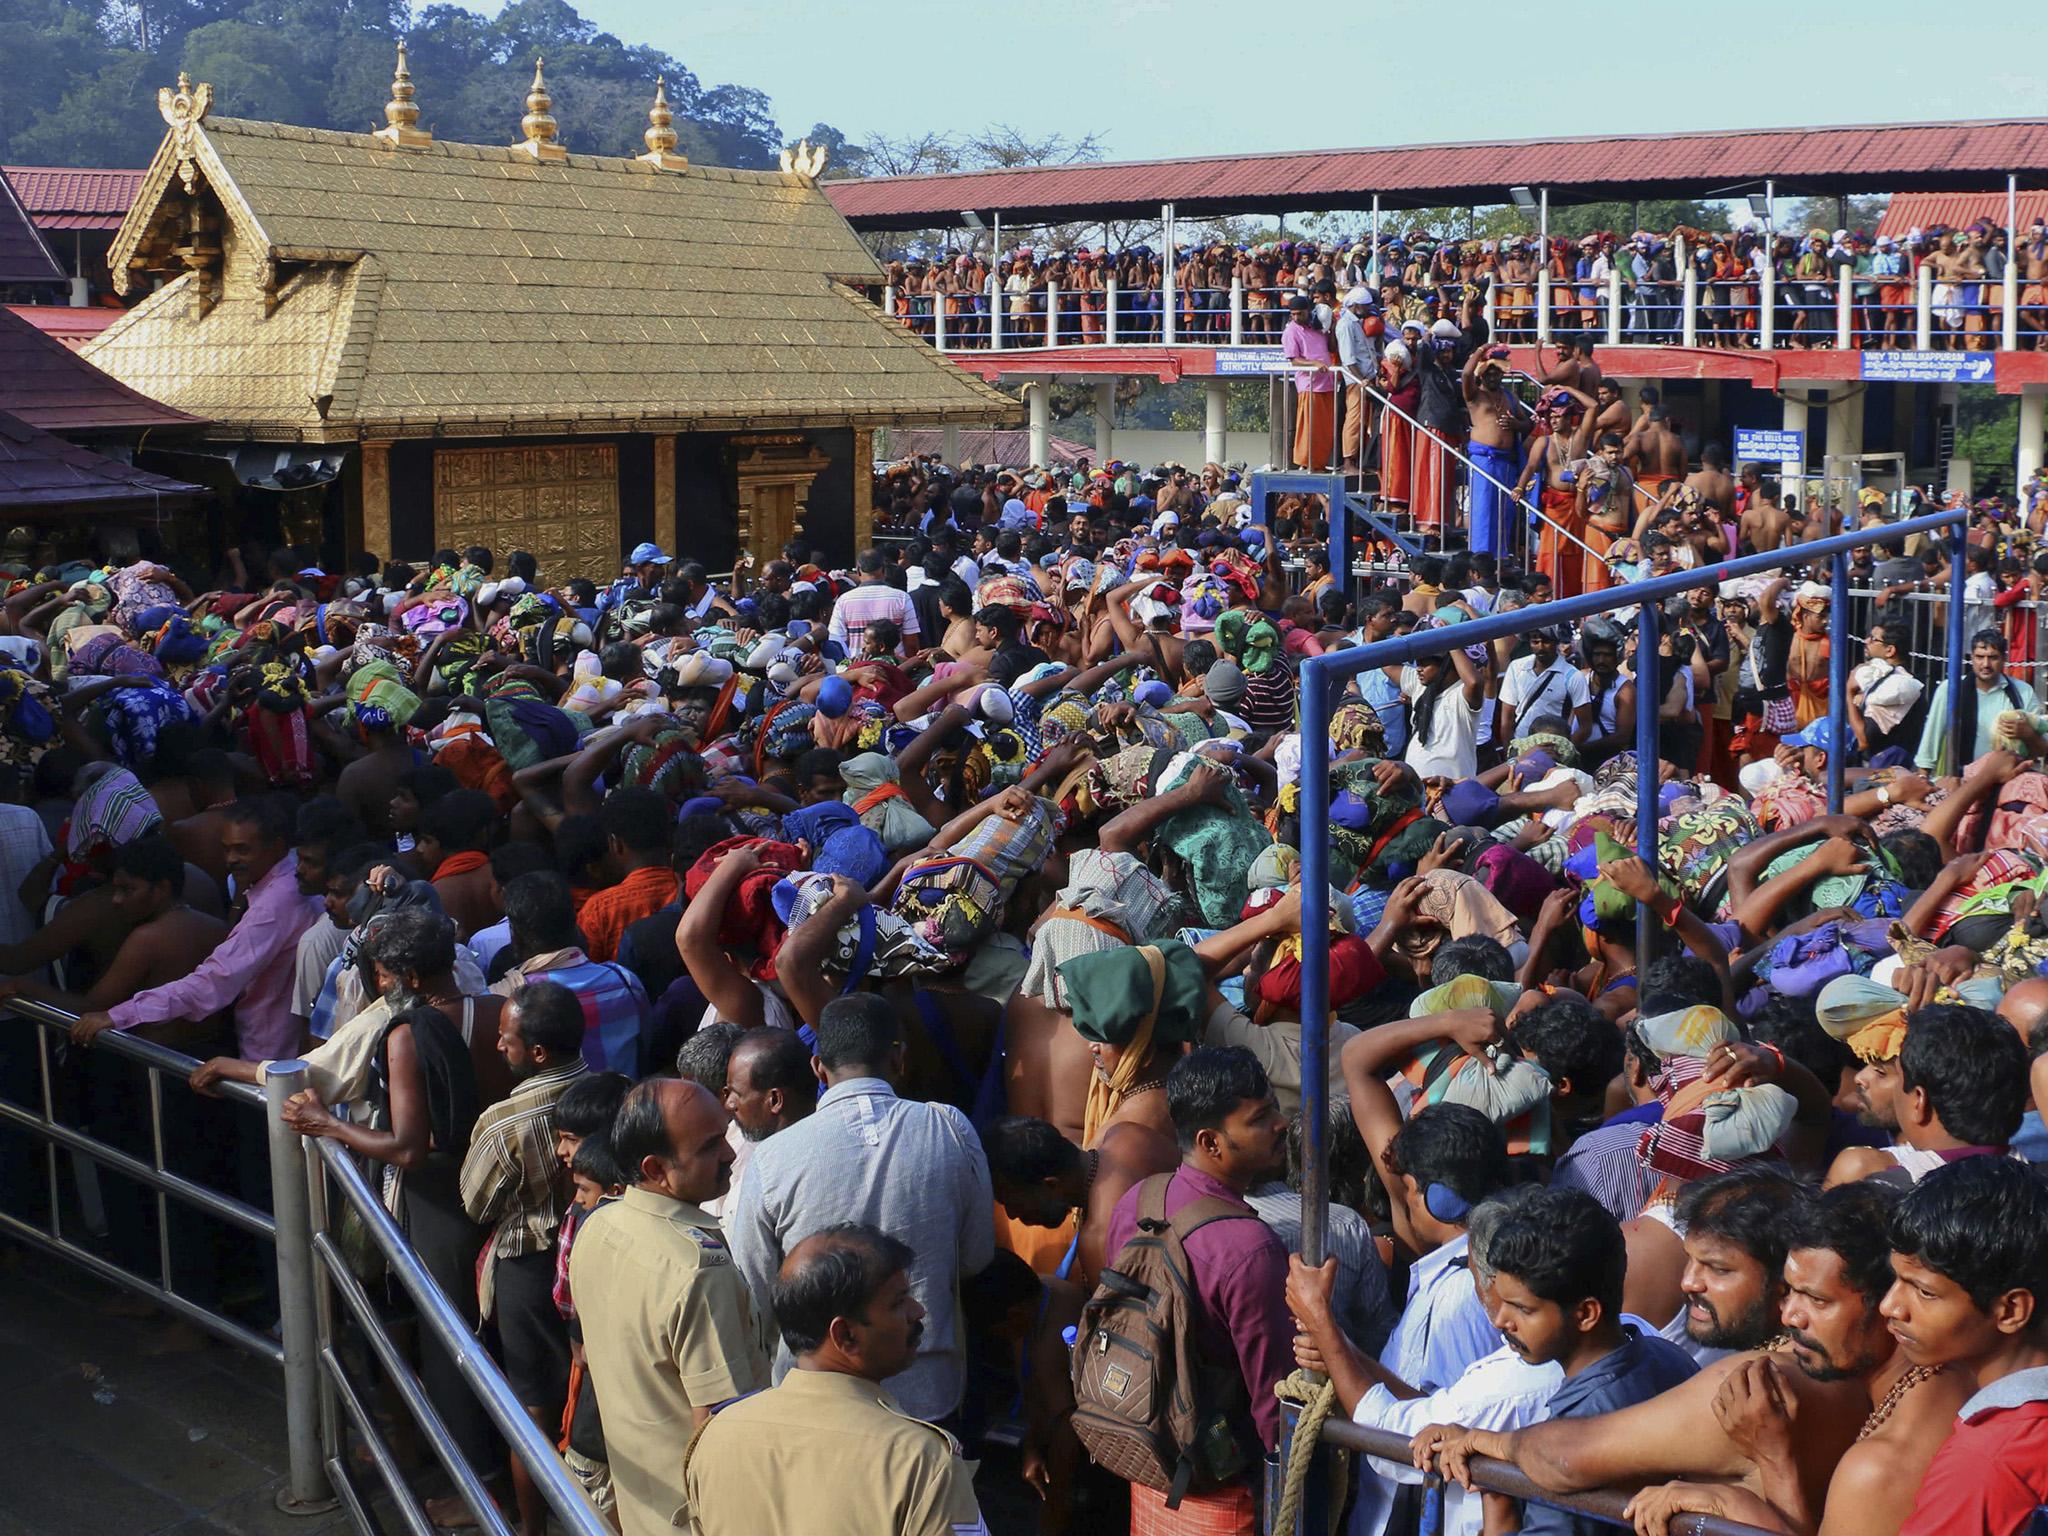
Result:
[[1315, 1400]]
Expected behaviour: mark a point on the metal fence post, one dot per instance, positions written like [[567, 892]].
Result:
[[1845, 314], [1958, 678], [1923, 307], [1838, 681], [306, 1492], [1649, 699]]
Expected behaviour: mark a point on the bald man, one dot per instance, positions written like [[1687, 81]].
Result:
[[669, 1331]]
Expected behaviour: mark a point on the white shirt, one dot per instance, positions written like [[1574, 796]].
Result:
[[1451, 750], [1500, 1391], [1560, 688]]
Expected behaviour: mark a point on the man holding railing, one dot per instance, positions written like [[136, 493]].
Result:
[[1358, 349], [1315, 384]]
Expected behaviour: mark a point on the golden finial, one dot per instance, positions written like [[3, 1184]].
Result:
[[185, 110], [805, 160], [660, 136], [539, 123], [401, 112]]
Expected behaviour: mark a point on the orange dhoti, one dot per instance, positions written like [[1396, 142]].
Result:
[[1315, 427], [1435, 479], [1556, 555], [1594, 574], [1397, 458]]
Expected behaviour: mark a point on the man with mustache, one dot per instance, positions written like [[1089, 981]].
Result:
[[828, 1452], [1558, 1262], [1838, 1267]]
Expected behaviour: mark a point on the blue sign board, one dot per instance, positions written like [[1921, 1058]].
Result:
[[1759, 445], [1250, 360], [1928, 367]]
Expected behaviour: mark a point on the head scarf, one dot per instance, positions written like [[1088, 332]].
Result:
[[665, 763], [854, 852], [1463, 907], [1702, 1132], [874, 790], [1136, 998], [30, 728], [749, 922], [1110, 901], [1868, 1018], [113, 810], [133, 718]]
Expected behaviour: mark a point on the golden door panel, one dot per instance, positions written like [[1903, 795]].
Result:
[[559, 503]]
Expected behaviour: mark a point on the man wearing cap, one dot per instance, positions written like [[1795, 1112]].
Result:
[[642, 578], [1358, 349], [1315, 384]]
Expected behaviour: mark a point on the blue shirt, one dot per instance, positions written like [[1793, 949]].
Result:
[[1390, 704], [1644, 1366], [614, 1005]]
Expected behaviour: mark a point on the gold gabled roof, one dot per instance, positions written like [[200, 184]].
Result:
[[467, 289]]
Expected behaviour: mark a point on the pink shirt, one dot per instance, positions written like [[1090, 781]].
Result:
[[1306, 344], [251, 968]]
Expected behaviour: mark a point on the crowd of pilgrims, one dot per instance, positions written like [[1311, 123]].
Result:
[[781, 1004]]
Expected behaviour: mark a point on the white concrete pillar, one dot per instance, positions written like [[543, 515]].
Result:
[[1105, 420], [1793, 472], [1923, 308], [949, 443], [1237, 311], [1279, 437], [939, 299], [1845, 308], [1039, 393], [1052, 316], [1767, 313], [2033, 409], [1845, 429], [995, 313], [1689, 318], [1109, 312], [1543, 299], [1614, 305], [1216, 421]]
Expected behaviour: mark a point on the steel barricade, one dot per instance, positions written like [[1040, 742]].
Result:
[[1322, 676], [1602, 1504], [283, 1226], [341, 1398]]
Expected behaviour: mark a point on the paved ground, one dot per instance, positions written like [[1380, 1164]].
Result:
[[104, 1437]]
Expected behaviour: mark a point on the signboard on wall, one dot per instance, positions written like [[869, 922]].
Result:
[[1252, 360], [1761, 445], [1928, 367]]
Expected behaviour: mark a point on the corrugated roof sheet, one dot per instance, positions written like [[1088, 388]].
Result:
[[43, 473], [1694, 164], [1908, 211], [50, 386], [73, 325], [61, 189], [23, 256], [461, 287]]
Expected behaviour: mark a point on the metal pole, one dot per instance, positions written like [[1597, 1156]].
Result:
[[1958, 679], [1543, 269], [1315, 973], [1649, 697], [307, 1489], [1838, 683], [1374, 257], [2010, 319], [1340, 536], [1170, 321]]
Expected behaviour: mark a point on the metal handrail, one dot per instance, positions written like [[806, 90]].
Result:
[[1504, 1477], [438, 1317]]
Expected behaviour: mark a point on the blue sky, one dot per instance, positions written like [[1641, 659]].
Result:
[[1176, 77]]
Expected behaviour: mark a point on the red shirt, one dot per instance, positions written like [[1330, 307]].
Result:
[[1990, 1476]]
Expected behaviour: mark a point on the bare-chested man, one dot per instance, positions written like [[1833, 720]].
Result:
[[1654, 451], [1765, 524], [1837, 1270], [1712, 480]]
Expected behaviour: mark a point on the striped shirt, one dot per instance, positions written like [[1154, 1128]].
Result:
[[856, 610], [512, 1181]]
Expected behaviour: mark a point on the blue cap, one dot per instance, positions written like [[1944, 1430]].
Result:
[[1820, 734], [835, 697], [647, 554]]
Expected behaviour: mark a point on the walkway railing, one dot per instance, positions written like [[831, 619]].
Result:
[[1692, 306], [1602, 1504], [324, 1403], [1324, 676]]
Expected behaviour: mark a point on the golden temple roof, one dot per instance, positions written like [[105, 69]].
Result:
[[333, 286]]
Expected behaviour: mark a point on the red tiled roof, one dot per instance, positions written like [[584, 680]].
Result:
[[61, 197], [49, 386], [1803, 160], [42, 473], [1908, 211], [23, 256], [74, 325]]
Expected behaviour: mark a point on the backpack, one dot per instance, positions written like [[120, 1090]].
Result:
[[1146, 1405]]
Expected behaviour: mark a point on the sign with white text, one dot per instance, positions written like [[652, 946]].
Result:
[[1928, 367], [1759, 445]]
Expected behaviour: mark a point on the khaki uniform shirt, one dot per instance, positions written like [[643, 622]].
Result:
[[827, 1454], [667, 1327]]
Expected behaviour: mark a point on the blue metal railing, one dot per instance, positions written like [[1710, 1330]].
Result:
[[1322, 677]]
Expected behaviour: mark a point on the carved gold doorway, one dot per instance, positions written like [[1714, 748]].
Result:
[[560, 503]]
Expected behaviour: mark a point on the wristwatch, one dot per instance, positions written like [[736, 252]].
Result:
[[1884, 794]]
